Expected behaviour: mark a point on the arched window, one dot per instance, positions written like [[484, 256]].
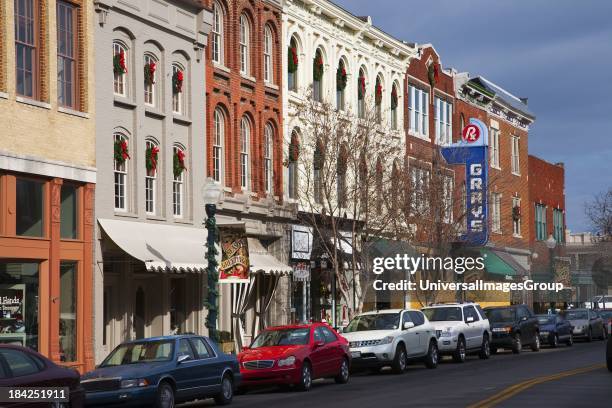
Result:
[[292, 65], [341, 81], [150, 86], [245, 38], [245, 138], [120, 68], [394, 104], [317, 76], [317, 165], [361, 93], [218, 142], [178, 183], [292, 177], [341, 168], [178, 89], [378, 97], [151, 160], [121, 155], [268, 157], [218, 34], [268, 62]]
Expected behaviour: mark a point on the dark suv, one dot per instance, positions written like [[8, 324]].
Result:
[[513, 327]]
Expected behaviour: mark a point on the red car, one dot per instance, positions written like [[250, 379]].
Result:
[[295, 355], [23, 367]]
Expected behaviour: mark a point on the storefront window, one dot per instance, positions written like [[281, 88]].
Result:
[[178, 315], [68, 314], [68, 222], [19, 304], [29, 206]]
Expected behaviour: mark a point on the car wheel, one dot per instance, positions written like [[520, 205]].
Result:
[[535, 342], [609, 355], [343, 375], [590, 335], [570, 340], [517, 346], [306, 379], [494, 350], [227, 391], [555, 341], [431, 360], [399, 362], [603, 334], [485, 348], [459, 354], [165, 396]]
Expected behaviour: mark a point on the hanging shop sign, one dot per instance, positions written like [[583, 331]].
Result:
[[234, 264], [301, 242], [472, 151]]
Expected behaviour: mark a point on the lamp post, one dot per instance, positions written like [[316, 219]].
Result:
[[212, 192], [551, 243]]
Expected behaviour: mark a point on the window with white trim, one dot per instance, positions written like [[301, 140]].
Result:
[[558, 225], [150, 178], [444, 122], [418, 107], [245, 137], [516, 220], [218, 142], [178, 97], [540, 222], [496, 212], [120, 175], [419, 184], [217, 34], [494, 147], [178, 190], [516, 165], [447, 194], [268, 157], [268, 73], [245, 33], [120, 78], [150, 64]]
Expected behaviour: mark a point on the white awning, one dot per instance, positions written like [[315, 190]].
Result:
[[262, 262], [162, 248]]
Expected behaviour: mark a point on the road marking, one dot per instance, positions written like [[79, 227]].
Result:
[[522, 386]]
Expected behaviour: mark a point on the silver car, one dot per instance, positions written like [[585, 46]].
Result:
[[587, 324]]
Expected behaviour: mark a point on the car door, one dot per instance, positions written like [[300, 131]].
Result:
[[336, 354], [563, 327], [319, 354], [207, 366], [421, 330], [525, 325], [22, 370], [472, 331], [187, 382], [410, 336]]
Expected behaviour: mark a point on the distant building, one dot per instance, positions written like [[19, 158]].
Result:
[[591, 265]]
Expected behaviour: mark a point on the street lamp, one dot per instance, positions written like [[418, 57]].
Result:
[[211, 195], [551, 243]]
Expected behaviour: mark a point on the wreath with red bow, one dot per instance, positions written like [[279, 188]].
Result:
[[121, 153], [341, 78], [378, 91], [177, 81], [178, 163], [149, 73], [361, 87], [119, 67], [394, 99], [151, 159], [292, 59], [317, 68]]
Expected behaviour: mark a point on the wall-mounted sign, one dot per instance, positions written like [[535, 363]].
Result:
[[12, 314], [472, 151], [234, 264], [301, 242]]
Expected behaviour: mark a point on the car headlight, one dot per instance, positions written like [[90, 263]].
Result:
[[446, 333], [507, 329], [138, 382], [286, 361], [387, 340]]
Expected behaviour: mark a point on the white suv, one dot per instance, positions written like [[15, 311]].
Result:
[[461, 328], [391, 338]]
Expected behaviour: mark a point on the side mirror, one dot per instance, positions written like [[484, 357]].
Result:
[[524, 318], [319, 343], [469, 319], [408, 325], [182, 358]]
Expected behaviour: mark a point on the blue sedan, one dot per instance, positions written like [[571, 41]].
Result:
[[554, 329], [161, 372]]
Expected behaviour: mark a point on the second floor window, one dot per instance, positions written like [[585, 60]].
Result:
[[444, 120], [494, 147], [26, 48], [268, 157], [516, 216], [540, 222], [245, 33], [496, 212], [516, 165], [120, 69], [447, 190], [66, 55], [268, 73], [419, 109], [178, 88], [151, 159], [178, 182], [217, 34], [218, 141], [245, 136], [121, 157], [558, 228], [150, 67]]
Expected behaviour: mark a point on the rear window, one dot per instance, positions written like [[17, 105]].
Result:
[[501, 315]]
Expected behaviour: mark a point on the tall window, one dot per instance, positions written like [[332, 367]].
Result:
[[292, 65], [69, 211], [540, 222], [150, 66], [178, 188], [29, 205], [419, 108], [292, 176], [66, 54], [558, 228], [245, 33], [26, 48], [268, 73], [378, 97], [516, 166], [494, 148], [217, 34], [218, 142], [317, 165], [447, 193], [245, 137], [361, 93], [178, 88], [419, 183], [496, 212], [68, 310], [444, 120], [341, 80], [317, 76], [379, 184], [121, 173], [394, 106], [516, 216], [341, 168], [120, 58], [150, 176], [268, 157]]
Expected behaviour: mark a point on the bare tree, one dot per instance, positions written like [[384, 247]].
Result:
[[599, 213]]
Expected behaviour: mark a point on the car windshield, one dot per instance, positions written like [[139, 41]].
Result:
[[284, 337], [142, 352], [500, 315], [546, 319], [381, 321], [607, 314], [443, 314], [576, 315]]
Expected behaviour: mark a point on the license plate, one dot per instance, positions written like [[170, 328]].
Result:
[[544, 333], [355, 354]]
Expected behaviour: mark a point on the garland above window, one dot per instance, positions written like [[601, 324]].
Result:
[[394, 99], [151, 159], [177, 81], [378, 91], [121, 153], [149, 73], [119, 67], [341, 78], [292, 60], [317, 67], [361, 87], [178, 165]]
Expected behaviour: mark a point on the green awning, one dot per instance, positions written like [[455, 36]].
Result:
[[495, 265]]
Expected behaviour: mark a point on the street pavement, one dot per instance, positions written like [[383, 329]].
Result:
[[463, 385]]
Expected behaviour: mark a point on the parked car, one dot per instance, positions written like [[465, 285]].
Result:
[[606, 315], [391, 338], [295, 355], [555, 329], [461, 328], [24, 367], [609, 354], [587, 324], [599, 302], [513, 327], [161, 372]]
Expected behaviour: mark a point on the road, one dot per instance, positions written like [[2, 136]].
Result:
[[463, 385]]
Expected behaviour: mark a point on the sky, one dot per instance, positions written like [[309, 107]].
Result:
[[558, 53]]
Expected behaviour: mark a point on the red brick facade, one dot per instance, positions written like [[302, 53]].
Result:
[[239, 96]]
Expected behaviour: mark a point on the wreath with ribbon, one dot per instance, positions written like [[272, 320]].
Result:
[[317, 67], [178, 165], [151, 155], [394, 99], [119, 67], [149, 73], [361, 87], [378, 91], [121, 153], [292, 59], [341, 78], [177, 81]]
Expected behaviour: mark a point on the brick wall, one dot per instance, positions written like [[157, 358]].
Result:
[[238, 96], [3, 58], [547, 187]]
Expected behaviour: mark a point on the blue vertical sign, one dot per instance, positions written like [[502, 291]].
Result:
[[472, 151]]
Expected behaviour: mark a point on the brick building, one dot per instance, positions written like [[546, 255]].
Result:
[[47, 177]]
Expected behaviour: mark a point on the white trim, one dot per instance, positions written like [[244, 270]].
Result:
[[33, 102], [43, 167], [73, 112], [3, 95]]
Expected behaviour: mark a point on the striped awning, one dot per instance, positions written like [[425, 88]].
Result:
[[263, 262]]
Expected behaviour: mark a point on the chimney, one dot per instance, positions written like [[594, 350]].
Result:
[[560, 164], [524, 100]]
